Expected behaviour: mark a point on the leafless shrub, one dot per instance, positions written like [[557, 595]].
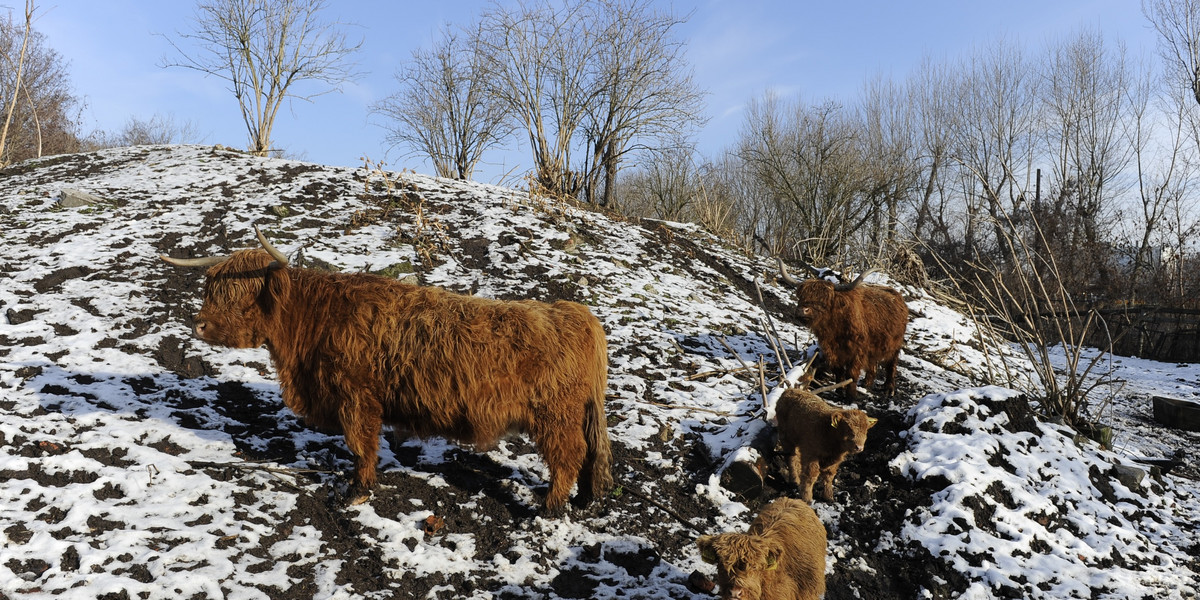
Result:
[[1021, 296], [158, 129]]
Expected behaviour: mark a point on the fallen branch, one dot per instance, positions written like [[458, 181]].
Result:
[[832, 386], [735, 354], [762, 382], [719, 372], [807, 378], [695, 408], [773, 334], [257, 466]]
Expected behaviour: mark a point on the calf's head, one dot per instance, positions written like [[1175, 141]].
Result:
[[242, 292], [744, 562], [851, 426]]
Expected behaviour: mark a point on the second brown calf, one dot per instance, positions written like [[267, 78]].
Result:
[[781, 557], [816, 437]]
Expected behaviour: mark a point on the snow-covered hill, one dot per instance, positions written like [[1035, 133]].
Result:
[[137, 462]]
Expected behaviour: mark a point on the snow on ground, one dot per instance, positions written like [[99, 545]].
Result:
[[115, 423]]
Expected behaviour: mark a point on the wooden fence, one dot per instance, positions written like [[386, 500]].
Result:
[[1157, 333]]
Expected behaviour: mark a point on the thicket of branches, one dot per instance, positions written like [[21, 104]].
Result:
[[1048, 188], [1093, 149]]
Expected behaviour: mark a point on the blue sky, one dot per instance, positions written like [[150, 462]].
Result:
[[811, 50]]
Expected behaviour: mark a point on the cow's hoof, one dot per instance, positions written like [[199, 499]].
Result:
[[356, 496], [552, 513]]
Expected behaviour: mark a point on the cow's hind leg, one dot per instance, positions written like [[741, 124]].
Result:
[[561, 443], [850, 373], [870, 374], [361, 424]]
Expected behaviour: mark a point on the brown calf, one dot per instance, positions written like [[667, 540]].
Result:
[[781, 557], [816, 437], [356, 351]]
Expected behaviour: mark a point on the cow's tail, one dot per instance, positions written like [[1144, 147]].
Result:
[[597, 465]]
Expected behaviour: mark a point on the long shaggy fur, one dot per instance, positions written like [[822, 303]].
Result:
[[781, 557], [356, 351], [856, 329], [816, 437]]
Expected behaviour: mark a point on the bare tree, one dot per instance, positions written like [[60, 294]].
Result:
[[262, 48], [1086, 93], [994, 138], [606, 75], [535, 52], [808, 160], [1178, 25], [888, 147], [442, 109], [40, 113], [931, 92], [20, 70], [1165, 177], [644, 98], [662, 188], [732, 204]]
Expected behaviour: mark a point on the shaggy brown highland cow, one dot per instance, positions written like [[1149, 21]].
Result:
[[816, 437], [857, 326], [356, 351], [781, 557]]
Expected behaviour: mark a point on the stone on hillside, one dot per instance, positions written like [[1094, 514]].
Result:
[[1130, 476], [744, 478], [73, 198]]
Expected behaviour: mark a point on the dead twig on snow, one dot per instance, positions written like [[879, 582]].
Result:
[[733, 371]]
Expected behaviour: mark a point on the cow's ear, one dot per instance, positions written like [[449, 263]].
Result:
[[772, 559], [707, 553], [278, 286]]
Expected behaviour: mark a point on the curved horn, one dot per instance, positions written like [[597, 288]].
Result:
[[783, 274], [206, 261], [275, 254], [845, 287]]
